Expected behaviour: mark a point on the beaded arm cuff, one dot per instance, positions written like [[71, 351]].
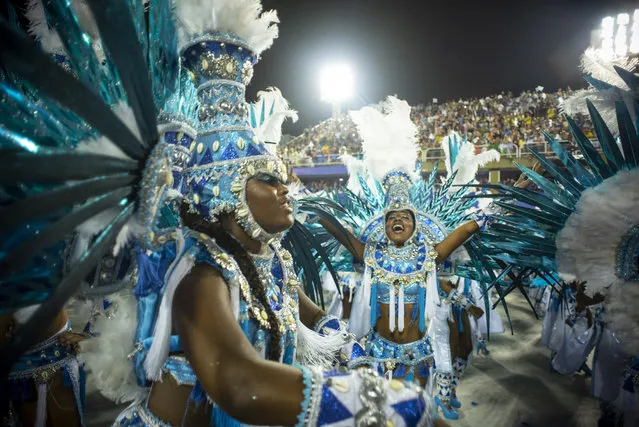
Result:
[[328, 325], [312, 397], [361, 398], [351, 354]]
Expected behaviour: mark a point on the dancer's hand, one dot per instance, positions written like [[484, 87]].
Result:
[[446, 286], [71, 340], [475, 311]]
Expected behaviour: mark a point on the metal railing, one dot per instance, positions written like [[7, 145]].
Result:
[[433, 154]]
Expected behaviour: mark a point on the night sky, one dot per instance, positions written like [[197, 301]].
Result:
[[421, 50]]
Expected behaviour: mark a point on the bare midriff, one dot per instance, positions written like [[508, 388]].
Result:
[[169, 402], [410, 333]]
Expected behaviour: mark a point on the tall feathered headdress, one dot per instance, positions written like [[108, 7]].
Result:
[[389, 142]]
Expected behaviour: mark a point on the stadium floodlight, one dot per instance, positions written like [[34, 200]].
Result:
[[623, 19], [633, 45], [608, 27], [336, 83]]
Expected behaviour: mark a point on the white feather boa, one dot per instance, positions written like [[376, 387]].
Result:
[[242, 18], [105, 357], [586, 249], [388, 137]]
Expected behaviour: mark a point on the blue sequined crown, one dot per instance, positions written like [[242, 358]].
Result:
[[397, 185], [226, 152]]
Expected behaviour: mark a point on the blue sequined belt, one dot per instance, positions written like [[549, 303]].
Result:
[[383, 350]]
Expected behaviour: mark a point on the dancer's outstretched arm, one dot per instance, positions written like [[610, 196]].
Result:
[[249, 389], [349, 241], [455, 240]]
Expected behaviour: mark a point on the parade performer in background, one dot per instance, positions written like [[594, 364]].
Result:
[[399, 308], [462, 165], [583, 223]]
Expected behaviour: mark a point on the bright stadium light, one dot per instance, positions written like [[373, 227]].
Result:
[[633, 45], [608, 27], [621, 38], [623, 19], [336, 83], [618, 36]]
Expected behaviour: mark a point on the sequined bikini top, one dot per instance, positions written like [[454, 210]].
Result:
[[405, 266]]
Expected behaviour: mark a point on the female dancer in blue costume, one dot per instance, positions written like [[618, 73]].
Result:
[[221, 318], [401, 249]]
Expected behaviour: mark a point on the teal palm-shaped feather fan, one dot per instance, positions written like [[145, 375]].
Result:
[[94, 147], [584, 221]]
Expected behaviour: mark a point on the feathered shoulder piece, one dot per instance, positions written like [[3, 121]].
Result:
[[388, 137], [244, 19]]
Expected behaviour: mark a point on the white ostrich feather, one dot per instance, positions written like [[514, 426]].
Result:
[[278, 111], [48, 38], [105, 356], [586, 246], [467, 163], [314, 349], [242, 18], [38, 28], [586, 250], [593, 64], [355, 168], [622, 315], [388, 137]]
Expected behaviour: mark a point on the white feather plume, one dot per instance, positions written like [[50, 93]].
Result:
[[592, 233], [586, 249], [388, 137], [242, 18], [278, 111], [48, 37], [314, 349], [467, 163], [355, 168], [111, 372], [597, 66], [38, 28], [593, 64]]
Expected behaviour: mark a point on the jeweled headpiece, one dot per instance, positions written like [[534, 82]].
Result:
[[397, 185], [220, 52]]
